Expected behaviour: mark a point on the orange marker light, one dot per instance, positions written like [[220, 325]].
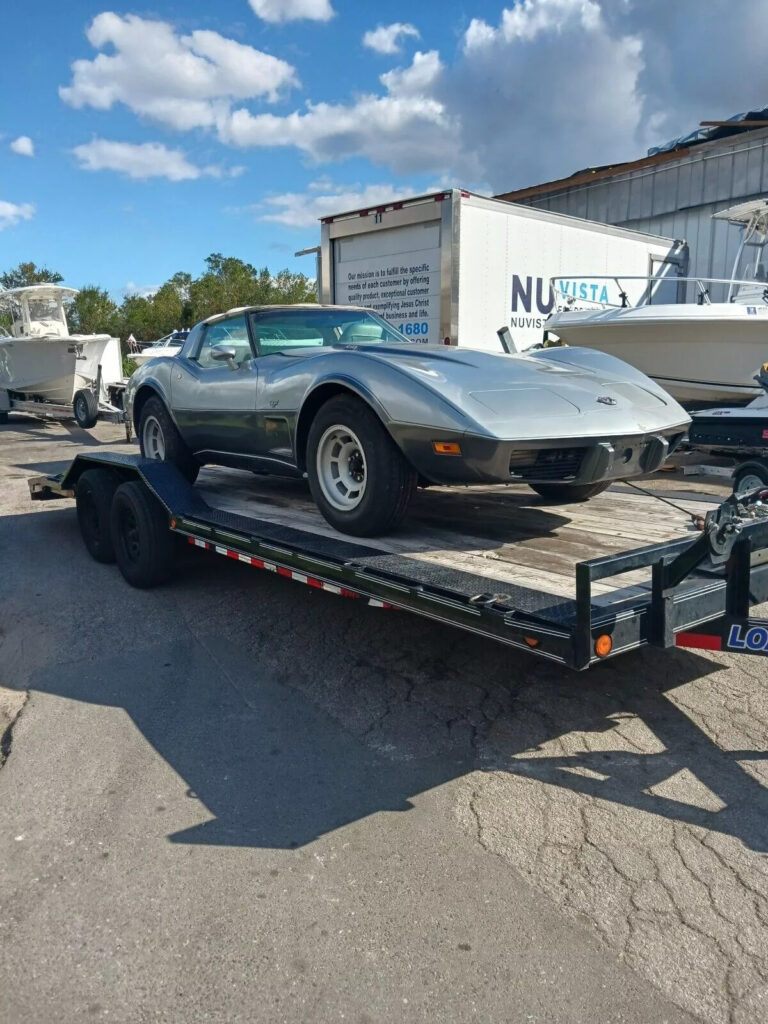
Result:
[[603, 646], [531, 641], [446, 448]]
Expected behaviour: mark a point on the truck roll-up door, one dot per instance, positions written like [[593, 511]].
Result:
[[395, 271]]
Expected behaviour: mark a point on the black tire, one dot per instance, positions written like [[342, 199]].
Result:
[[3, 418], [749, 477], [390, 481], [85, 408], [143, 543], [93, 499], [566, 494], [176, 452]]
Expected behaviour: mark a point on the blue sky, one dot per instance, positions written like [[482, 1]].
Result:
[[135, 141]]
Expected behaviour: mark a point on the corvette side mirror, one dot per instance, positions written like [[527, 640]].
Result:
[[224, 354]]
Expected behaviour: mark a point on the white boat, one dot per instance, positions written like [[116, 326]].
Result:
[[169, 345], [701, 351], [39, 358]]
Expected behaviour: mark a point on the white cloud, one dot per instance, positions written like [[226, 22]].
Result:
[[145, 160], [12, 213], [181, 81], [406, 127], [292, 10], [549, 87], [24, 146], [304, 209], [388, 38]]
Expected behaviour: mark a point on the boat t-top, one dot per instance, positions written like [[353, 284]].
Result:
[[702, 339], [39, 359]]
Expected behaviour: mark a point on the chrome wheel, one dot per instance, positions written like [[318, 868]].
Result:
[[341, 468], [152, 439]]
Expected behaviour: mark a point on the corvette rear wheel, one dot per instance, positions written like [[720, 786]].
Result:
[[159, 439], [564, 494], [359, 479]]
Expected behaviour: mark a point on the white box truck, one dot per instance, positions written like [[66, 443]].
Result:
[[454, 267]]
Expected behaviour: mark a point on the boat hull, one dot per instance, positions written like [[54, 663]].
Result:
[[699, 360], [51, 369]]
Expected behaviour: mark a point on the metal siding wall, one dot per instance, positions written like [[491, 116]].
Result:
[[677, 199]]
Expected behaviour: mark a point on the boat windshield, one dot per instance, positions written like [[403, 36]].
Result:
[[282, 330], [36, 316]]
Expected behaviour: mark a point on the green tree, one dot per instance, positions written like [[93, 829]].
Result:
[[229, 282], [28, 273], [93, 312]]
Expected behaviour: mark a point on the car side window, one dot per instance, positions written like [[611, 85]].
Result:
[[280, 332], [232, 332]]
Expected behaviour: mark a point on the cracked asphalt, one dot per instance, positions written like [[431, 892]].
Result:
[[238, 799]]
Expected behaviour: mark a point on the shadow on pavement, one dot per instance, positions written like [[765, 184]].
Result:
[[276, 770]]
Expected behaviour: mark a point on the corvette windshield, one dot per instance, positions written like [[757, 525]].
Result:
[[282, 330]]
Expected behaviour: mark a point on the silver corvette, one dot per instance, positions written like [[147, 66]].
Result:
[[336, 394]]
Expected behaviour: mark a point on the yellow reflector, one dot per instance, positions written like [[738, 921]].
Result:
[[531, 641], [603, 646], [446, 448]]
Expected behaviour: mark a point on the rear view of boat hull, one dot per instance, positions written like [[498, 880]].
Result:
[[68, 363]]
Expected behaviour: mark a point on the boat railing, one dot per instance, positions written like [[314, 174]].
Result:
[[591, 292]]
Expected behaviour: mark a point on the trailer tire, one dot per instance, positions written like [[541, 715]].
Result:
[[85, 408], [386, 481], [93, 500], [3, 418], [749, 477], [144, 545], [565, 494], [159, 439]]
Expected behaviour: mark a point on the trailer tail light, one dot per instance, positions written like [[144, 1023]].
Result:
[[603, 646], [446, 448]]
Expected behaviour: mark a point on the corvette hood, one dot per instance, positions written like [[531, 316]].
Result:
[[563, 392]]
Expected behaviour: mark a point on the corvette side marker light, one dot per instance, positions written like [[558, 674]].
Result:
[[446, 448]]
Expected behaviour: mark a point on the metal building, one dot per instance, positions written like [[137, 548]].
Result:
[[673, 191]]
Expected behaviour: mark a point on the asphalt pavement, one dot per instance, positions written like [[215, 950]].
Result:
[[234, 798]]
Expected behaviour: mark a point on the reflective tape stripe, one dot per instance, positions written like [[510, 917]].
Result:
[[298, 577]]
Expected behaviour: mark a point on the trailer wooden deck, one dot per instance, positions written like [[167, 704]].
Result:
[[503, 533]]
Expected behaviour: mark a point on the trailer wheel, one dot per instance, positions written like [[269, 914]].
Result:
[[750, 477], [85, 408], [3, 417], [144, 545], [359, 479], [93, 499], [565, 494], [159, 439]]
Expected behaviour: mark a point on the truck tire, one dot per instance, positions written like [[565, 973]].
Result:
[[159, 439], [359, 479], [3, 417], [85, 408], [749, 477], [143, 543], [93, 500], [565, 494]]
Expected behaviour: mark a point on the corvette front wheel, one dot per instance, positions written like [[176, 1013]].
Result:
[[359, 479], [159, 439]]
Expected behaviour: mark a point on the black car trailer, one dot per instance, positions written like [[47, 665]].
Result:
[[700, 591]]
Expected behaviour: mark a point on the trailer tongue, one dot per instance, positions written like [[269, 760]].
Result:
[[700, 592]]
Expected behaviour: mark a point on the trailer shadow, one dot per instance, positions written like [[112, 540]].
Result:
[[278, 751]]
